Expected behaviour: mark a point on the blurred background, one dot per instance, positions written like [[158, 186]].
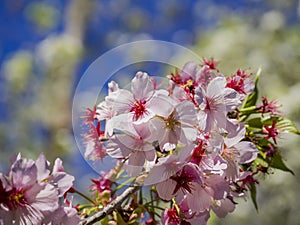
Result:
[[46, 45]]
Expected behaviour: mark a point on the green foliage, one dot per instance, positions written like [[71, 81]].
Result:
[[286, 125], [277, 162], [252, 98], [252, 189]]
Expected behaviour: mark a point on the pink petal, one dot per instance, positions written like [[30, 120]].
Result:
[[141, 86], [223, 207], [236, 132], [120, 101], [189, 71], [46, 199], [58, 167], [43, 167], [136, 158], [165, 189], [150, 155], [200, 200], [248, 151], [160, 105], [23, 173], [62, 182], [216, 87]]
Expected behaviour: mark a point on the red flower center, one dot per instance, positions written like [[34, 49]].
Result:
[[236, 83], [13, 198], [139, 109], [172, 214]]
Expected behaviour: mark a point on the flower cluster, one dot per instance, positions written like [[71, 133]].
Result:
[[194, 139], [195, 144], [30, 193]]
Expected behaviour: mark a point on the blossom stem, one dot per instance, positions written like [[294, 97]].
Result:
[[84, 196], [123, 184], [175, 205], [111, 206]]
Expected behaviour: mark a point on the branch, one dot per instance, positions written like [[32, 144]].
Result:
[[111, 206]]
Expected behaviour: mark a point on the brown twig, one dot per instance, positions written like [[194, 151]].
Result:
[[115, 204]]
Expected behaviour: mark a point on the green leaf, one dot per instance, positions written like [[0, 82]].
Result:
[[260, 161], [252, 98], [249, 110], [105, 221], [277, 163], [255, 123], [119, 218], [252, 189], [287, 125]]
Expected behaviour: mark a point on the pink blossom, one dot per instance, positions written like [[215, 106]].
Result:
[[211, 63], [143, 102], [170, 217], [269, 107], [214, 187], [271, 131], [30, 192], [25, 200], [223, 207], [135, 144], [102, 183], [168, 166], [236, 151], [215, 102], [58, 178], [62, 216], [95, 149], [242, 83], [178, 127]]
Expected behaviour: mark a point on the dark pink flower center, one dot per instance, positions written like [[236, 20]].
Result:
[[139, 109], [271, 132], [13, 198], [236, 83], [184, 179], [173, 216]]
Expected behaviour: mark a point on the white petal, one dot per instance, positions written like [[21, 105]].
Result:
[[189, 71], [216, 87], [199, 200], [165, 189], [236, 132], [141, 86], [160, 105], [136, 158], [248, 151], [121, 101]]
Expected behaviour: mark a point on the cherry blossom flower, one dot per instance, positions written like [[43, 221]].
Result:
[[30, 193], [178, 127], [269, 107], [211, 63], [62, 216], [271, 131], [242, 83], [25, 200], [165, 168], [143, 102], [215, 102], [134, 143], [170, 217], [58, 178], [214, 187], [235, 151]]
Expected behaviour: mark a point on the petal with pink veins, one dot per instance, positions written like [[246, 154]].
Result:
[[141, 86], [247, 151]]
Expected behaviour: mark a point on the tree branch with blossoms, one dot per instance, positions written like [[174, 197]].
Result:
[[184, 150]]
